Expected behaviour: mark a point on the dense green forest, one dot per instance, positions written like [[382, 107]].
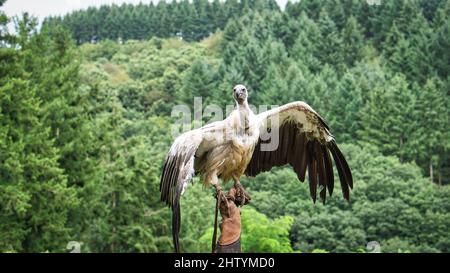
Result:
[[191, 20], [85, 122]]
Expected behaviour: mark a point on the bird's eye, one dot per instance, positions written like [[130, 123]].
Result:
[[234, 89]]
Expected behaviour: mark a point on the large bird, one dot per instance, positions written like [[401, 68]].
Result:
[[245, 143]]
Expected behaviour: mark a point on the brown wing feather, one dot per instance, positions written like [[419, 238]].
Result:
[[321, 171], [178, 170], [305, 144], [284, 138], [304, 157], [345, 176], [312, 171], [328, 169]]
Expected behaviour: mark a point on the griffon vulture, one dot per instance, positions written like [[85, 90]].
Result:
[[236, 146]]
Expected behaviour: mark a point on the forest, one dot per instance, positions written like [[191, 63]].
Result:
[[85, 118]]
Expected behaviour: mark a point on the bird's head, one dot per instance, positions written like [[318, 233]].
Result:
[[240, 93]]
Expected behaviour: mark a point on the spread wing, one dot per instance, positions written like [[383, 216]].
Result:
[[178, 168], [304, 142]]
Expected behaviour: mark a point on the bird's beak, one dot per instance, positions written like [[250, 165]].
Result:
[[240, 94]]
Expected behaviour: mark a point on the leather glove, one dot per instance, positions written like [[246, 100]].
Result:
[[230, 226]]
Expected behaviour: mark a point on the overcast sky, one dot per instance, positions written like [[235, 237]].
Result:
[[43, 8]]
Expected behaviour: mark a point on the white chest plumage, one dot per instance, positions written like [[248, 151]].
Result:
[[245, 132], [243, 138]]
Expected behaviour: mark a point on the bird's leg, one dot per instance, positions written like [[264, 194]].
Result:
[[219, 192], [242, 197]]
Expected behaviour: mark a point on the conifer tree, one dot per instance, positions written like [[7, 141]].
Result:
[[198, 82], [304, 48], [431, 142], [35, 196], [352, 41], [388, 120], [345, 111], [329, 46]]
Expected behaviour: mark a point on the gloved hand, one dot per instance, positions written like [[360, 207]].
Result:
[[230, 227]]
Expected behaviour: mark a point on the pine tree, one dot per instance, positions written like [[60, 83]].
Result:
[[431, 142], [329, 46], [198, 82], [397, 51], [304, 48], [352, 41], [286, 29], [112, 24], [441, 42], [273, 88], [102, 16], [188, 23], [126, 31], [401, 55], [345, 112], [202, 23], [34, 192], [388, 120], [403, 12], [321, 85], [421, 34], [337, 13]]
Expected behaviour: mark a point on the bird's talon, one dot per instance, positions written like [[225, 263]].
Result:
[[242, 197], [221, 195]]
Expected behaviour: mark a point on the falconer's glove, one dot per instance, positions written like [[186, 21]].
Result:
[[230, 226]]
